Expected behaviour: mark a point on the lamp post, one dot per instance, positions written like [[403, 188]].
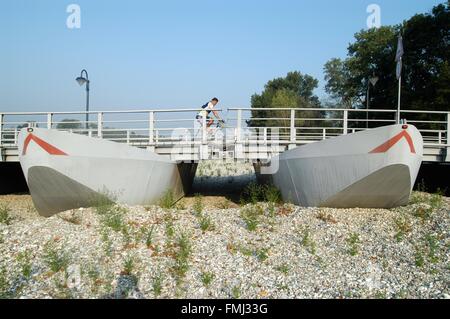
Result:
[[373, 80], [85, 80]]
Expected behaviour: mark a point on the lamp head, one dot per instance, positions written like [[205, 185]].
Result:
[[81, 80]]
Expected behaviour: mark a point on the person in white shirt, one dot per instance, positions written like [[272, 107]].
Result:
[[206, 111]]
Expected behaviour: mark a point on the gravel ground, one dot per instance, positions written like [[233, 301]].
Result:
[[294, 252]]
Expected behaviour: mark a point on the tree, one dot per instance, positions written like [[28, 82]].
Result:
[[426, 77], [296, 90], [69, 124]]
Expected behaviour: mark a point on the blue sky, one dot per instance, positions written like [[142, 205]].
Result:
[[170, 54]]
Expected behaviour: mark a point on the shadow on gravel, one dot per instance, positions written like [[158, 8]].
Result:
[[126, 288], [229, 187]]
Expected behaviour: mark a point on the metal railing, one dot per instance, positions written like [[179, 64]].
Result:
[[166, 128]]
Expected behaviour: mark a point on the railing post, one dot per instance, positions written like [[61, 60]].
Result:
[[345, 128], [447, 134], [324, 134], [100, 124], [16, 133], [293, 130], [238, 126], [151, 127], [204, 129], [128, 137], [49, 120], [1, 129]]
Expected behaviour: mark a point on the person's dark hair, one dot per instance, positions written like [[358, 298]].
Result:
[[215, 99]]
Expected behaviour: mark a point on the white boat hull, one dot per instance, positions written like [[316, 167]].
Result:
[[371, 169], [65, 171]]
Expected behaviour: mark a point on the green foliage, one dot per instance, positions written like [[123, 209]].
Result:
[[157, 282], [148, 236], [403, 227], [262, 254], [250, 215], [56, 259], [129, 264], [24, 260], [198, 204], [167, 201], [206, 223], [68, 124], [293, 91], [283, 268], [236, 292], [306, 240], [4, 283], [353, 242], [254, 193], [5, 217], [426, 71], [181, 257], [207, 278]]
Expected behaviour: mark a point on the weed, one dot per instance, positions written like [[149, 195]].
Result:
[[283, 268], [306, 240], [167, 200], [148, 236], [128, 265], [207, 278], [419, 259], [198, 204], [236, 292], [157, 282], [181, 256], [55, 259], [225, 204], [106, 241], [5, 217], [262, 254], [206, 223], [250, 215], [4, 284], [403, 227], [353, 241], [24, 260], [272, 194], [433, 247]]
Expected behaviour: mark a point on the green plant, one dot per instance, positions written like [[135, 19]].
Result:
[[236, 292], [170, 230], [157, 282], [252, 193], [181, 257], [5, 217], [403, 227], [206, 223], [225, 204], [250, 215], [54, 258], [306, 240], [262, 254], [107, 243], [167, 200], [24, 260], [283, 268], [128, 265], [433, 247], [148, 235], [198, 204], [353, 241], [4, 284], [207, 278], [419, 258], [272, 194]]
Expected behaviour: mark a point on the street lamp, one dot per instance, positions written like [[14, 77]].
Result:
[[85, 80], [373, 80]]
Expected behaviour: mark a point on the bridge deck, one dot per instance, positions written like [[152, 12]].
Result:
[[176, 133]]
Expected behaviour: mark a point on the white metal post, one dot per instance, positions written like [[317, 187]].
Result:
[[324, 134], [345, 129], [100, 124], [293, 130], [204, 129], [49, 120], [238, 126], [447, 134], [128, 137], [151, 127], [1, 129]]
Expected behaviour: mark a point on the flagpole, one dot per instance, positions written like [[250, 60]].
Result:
[[399, 98]]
